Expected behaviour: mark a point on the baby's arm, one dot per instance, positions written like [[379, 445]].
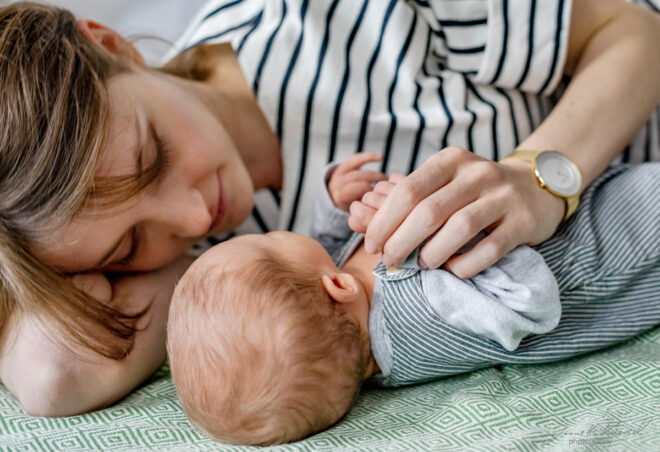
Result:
[[515, 297], [342, 184]]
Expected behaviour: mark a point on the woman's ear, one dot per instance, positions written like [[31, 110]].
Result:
[[109, 40], [342, 287]]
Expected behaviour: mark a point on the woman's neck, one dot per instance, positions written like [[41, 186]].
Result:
[[224, 90]]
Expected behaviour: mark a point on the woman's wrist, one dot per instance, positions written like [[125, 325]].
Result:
[[553, 172], [590, 128], [555, 206]]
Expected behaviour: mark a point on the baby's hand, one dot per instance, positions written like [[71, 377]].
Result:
[[348, 182], [363, 211]]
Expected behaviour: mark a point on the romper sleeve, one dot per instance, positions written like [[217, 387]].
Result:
[[519, 44], [515, 297], [329, 223]]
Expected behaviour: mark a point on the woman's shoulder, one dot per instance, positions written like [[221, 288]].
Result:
[[200, 62]]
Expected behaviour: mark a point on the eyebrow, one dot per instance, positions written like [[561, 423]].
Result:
[[139, 152]]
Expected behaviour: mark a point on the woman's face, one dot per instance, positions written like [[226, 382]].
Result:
[[203, 189]]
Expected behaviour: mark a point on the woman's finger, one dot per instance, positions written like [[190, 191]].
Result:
[[425, 219], [355, 161], [459, 229], [406, 194], [486, 253]]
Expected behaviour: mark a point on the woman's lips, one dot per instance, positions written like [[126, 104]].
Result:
[[221, 208]]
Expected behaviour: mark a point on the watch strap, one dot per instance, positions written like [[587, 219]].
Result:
[[528, 156], [571, 205]]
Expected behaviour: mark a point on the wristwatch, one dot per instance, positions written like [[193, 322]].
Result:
[[556, 173]]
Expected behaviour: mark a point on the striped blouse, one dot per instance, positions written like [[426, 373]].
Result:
[[402, 77]]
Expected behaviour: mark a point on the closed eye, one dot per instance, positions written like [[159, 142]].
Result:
[[153, 172], [133, 252], [163, 154]]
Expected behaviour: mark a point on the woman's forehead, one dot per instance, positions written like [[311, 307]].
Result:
[[124, 133], [79, 245]]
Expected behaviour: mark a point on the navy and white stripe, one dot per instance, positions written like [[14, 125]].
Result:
[[403, 77], [607, 263]]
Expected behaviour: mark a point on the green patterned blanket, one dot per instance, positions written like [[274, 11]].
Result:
[[609, 400]]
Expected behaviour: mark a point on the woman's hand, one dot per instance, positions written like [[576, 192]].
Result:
[[94, 284], [448, 200], [348, 182]]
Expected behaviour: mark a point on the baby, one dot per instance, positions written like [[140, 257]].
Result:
[[270, 337]]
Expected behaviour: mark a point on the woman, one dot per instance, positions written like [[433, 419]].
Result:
[[109, 168]]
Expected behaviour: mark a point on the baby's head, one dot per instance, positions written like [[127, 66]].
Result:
[[267, 340]]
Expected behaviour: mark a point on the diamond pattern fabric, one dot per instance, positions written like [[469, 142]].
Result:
[[608, 400]]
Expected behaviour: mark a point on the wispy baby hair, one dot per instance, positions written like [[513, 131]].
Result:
[[262, 355]]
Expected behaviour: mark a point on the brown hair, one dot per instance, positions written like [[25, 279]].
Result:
[[53, 122], [262, 356]]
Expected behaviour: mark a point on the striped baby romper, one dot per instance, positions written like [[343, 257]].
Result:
[[606, 259]]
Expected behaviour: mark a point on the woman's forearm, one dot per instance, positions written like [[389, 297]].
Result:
[[614, 62], [49, 379]]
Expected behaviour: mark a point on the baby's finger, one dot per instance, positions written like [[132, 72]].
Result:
[[373, 199], [356, 226], [362, 175], [355, 161], [353, 191], [384, 187], [396, 178], [360, 214]]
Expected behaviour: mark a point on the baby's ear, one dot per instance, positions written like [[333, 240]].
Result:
[[342, 287]]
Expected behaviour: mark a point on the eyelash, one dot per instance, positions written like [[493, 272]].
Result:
[[162, 145], [130, 257], [164, 153]]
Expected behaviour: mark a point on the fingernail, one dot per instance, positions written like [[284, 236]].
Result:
[[422, 263], [387, 261], [370, 246]]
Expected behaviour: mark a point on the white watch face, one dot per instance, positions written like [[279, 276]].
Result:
[[558, 173]]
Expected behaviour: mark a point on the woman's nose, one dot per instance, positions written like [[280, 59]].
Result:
[[187, 214]]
